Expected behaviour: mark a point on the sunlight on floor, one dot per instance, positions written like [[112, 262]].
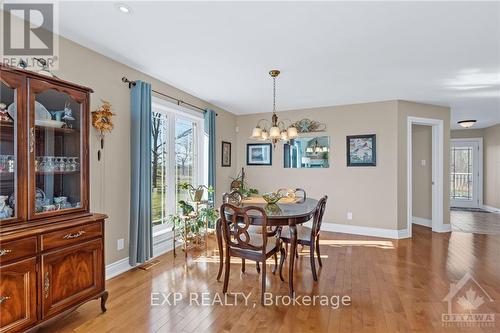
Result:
[[387, 245]]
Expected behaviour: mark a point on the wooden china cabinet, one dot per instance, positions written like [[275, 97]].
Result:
[[51, 246]]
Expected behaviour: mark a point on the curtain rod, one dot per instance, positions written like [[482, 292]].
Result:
[[178, 101]]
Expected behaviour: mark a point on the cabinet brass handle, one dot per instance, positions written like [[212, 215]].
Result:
[[32, 139], [75, 235], [4, 252], [4, 298], [46, 284]]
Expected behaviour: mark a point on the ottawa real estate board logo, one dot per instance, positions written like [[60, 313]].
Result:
[[468, 305], [29, 35]]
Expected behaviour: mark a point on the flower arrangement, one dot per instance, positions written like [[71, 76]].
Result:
[[101, 120]]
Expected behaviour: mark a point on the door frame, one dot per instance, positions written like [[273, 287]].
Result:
[[437, 126], [479, 180]]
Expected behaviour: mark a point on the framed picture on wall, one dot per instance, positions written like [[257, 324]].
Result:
[[226, 154], [361, 150], [259, 154]]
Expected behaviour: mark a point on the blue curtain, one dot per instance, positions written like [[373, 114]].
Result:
[[210, 132], [141, 238]]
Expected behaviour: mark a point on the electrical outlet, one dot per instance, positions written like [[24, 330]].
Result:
[[349, 215], [120, 244]]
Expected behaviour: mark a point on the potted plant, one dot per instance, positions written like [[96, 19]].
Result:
[[210, 215], [240, 184], [185, 207], [195, 193]]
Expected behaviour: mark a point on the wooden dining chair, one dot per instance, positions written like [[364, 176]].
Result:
[[239, 242], [234, 197], [308, 236], [300, 194]]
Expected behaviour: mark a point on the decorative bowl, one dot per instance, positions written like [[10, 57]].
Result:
[[271, 197]]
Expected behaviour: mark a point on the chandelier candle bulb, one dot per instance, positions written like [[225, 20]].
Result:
[[284, 136], [257, 133], [264, 135], [292, 132], [274, 132]]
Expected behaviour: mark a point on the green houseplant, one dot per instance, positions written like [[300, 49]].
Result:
[[195, 193], [241, 185]]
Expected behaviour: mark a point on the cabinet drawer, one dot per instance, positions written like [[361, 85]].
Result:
[[70, 236], [18, 296], [17, 249]]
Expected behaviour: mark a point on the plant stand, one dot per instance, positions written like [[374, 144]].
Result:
[[189, 242]]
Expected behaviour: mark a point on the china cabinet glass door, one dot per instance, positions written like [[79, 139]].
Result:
[[12, 185], [57, 162]]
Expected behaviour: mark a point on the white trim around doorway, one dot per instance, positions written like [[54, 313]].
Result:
[[437, 173], [479, 180]]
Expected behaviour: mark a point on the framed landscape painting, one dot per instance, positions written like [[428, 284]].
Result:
[[259, 154], [361, 150], [226, 154]]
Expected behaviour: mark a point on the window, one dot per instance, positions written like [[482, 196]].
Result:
[[159, 161], [461, 173], [177, 155]]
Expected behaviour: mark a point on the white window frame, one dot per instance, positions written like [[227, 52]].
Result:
[[174, 112]]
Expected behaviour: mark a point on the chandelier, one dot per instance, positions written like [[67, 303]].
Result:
[[278, 131]]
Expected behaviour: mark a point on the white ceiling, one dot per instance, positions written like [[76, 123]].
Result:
[[330, 53]]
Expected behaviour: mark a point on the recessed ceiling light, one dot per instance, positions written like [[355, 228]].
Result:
[[123, 8], [467, 123]]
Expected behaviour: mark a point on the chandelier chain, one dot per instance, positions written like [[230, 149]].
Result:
[[274, 94]]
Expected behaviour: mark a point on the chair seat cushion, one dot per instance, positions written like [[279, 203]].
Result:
[[303, 233]]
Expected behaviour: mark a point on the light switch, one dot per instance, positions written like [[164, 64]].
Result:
[[349, 215], [120, 244], [423, 162]]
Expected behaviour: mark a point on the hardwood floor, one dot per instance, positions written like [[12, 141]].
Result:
[[475, 222], [395, 286]]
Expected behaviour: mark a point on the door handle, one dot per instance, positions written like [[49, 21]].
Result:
[[32, 139]]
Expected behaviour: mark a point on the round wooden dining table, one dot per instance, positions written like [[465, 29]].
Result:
[[289, 214]]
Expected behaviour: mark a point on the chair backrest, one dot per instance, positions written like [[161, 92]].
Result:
[[234, 197], [235, 223], [318, 215], [300, 193]]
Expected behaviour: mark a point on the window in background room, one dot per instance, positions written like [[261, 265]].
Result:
[[177, 155]]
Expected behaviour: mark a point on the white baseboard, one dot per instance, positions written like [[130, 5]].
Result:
[[365, 231], [444, 228], [121, 266], [421, 221], [491, 209], [163, 247], [117, 268]]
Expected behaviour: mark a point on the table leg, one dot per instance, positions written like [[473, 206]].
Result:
[[218, 232], [293, 248]]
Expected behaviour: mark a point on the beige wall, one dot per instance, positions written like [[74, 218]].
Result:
[[370, 193], [405, 110], [110, 178], [491, 160], [375, 195], [422, 174], [492, 166]]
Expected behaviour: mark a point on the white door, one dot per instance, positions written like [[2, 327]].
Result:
[[466, 173]]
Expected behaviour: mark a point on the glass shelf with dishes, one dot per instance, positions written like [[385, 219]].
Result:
[[8, 151], [57, 147]]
